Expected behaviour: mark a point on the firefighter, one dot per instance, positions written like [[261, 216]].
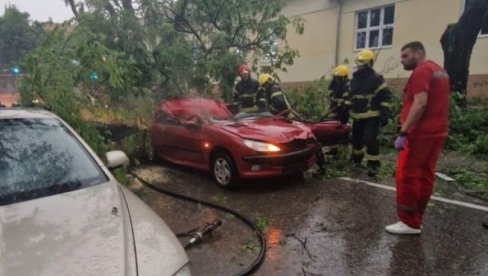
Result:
[[271, 96], [339, 90], [369, 107], [245, 91], [338, 93]]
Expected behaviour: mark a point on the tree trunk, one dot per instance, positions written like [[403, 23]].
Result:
[[72, 4], [457, 43]]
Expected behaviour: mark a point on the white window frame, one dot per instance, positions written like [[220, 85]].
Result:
[[368, 29], [274, 47], [463, 7]]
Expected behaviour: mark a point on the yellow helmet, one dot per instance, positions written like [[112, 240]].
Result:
[[341, 71], [365, 57], [264, 78]]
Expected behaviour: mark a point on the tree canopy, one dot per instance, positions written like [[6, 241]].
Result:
[[175, 46], [17, 36]]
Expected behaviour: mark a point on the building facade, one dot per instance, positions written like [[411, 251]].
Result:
[[336, 30]]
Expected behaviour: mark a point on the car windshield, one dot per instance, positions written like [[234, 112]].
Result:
[[40, 157]]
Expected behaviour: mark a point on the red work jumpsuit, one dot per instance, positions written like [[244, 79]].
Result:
[[417, 162]]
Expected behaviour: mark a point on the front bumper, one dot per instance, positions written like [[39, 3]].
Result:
[[278, 164]]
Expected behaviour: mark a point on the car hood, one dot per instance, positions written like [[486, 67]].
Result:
[[74, 233], [277, 130]]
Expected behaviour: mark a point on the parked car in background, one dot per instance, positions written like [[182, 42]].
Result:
[[203, 134], [63, 213]]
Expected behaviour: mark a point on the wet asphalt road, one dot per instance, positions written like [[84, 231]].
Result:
[[317, 227]]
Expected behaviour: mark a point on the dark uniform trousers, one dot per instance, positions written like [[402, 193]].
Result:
[[365, 133]]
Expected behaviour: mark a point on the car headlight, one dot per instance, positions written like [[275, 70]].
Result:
[[260, 146], [184, 271]]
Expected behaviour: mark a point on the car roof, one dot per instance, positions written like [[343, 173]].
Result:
[[184, 107], [25, 113]]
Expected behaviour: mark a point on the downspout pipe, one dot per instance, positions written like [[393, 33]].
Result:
[[338, 32]]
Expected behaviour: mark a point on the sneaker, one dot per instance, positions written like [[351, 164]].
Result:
[[401, 228]]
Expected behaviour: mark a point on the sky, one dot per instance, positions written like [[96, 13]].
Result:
[[40, 10]]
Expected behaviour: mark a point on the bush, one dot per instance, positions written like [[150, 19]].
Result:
[[312, 103], [468, 128]]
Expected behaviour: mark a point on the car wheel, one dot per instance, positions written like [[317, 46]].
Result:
[[224, 170]]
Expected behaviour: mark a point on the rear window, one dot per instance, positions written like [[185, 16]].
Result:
[[40, 157]]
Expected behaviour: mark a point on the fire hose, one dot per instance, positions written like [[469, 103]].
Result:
[[196, 236]]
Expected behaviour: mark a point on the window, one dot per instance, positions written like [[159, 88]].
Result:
[[272, 47], [41, 157], [374, 28], [484, 27]]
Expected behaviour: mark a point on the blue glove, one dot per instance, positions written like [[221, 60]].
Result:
[[400, 141]]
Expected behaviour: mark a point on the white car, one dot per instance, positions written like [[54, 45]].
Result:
[[63, 213]]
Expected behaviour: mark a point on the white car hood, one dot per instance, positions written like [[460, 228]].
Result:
[[74, 233]]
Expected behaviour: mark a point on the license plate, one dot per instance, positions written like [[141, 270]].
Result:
[[296, 167]]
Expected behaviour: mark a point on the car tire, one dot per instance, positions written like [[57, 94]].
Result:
[[224, 170]]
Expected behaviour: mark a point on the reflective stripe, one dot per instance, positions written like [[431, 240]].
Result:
[[368, 114], [276, 94], [379, 88], [386, 104], [364, 97], [246, 95], [339, 100], [347, 102], [358, 152], [262, 100], [373, 157]]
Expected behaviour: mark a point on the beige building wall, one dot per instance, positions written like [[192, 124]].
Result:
[[317, 44], [423, 20]]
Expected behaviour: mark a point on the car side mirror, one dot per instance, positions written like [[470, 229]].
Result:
[[116, 159]]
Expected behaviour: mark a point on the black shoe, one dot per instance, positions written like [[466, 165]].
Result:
[[372, 172], [485, 224]]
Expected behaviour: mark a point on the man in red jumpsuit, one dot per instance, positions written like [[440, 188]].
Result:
[[424, 127]]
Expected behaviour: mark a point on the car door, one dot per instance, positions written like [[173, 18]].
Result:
[[177, 139], [163, 134], [188, 142]]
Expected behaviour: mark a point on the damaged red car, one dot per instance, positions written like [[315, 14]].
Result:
[[203, 134]]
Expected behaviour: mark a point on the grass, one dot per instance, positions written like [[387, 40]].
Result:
[[262, 222]]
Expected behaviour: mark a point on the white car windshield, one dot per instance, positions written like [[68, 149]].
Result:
[[40, 157]]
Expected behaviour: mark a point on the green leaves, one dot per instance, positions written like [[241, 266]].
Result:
[[17, 36]]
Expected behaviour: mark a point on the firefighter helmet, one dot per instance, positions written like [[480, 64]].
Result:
[[264, 78], [341, 71], [244, 69], [365, 57]]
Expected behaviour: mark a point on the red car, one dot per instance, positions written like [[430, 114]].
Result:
[[203, 134]]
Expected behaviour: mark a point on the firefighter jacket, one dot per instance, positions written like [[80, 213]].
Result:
[[274, 98], [245, 95], [369, 96], [338, 93]]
